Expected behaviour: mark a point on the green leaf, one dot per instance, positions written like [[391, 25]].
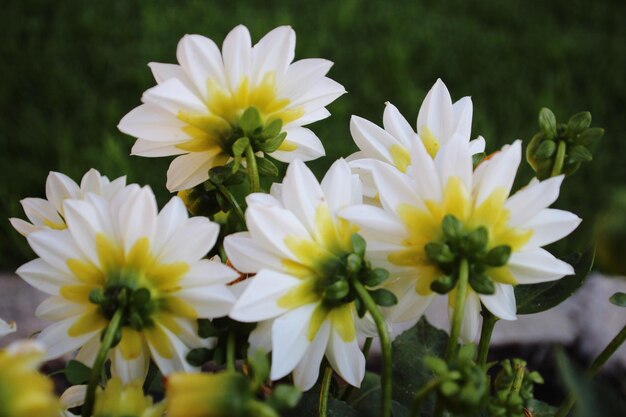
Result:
[[409, 370], [619, 299], [547, 122], [240, 145], [383, 297], [535, 298], [266, 167], [198, 356], [540, 409], [77, 372]]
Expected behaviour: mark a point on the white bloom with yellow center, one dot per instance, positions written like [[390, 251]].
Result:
[[438, 121], [195, 108], [413, 208], [122, 254], [293, 244], [48, 213]]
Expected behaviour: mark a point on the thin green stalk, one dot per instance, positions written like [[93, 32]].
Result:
[[366, 350], [420, 396], [322, 409], [459, 307], [94, 378], [230, 351], [559, 160], [489, 322], [385, 344], [598, 362], [232, 201], [253, 171]]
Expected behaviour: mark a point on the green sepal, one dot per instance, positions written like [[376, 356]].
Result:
[[475, 241], [589, 136], [272, 129], [619, 299], [336, 291], [452, 227], [358, 244], [240, 145], [383, 297], [482, 284], [375, 277], [198, 357], [498, 256], [266, 167], [272, 144], [439, 252], [250, 120], [579, 122], [546, 150], [76, 372], [353, 263], [547, 122], [579, 153], [443, 284]]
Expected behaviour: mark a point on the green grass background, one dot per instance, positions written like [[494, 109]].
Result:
[[71, 69]]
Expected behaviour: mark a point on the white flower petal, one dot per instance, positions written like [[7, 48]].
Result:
[[477, 145], [237, 55], [301, 75], [83, 224], [58, 342], [207, 272], [527, 202], [23, 227], [471, 318], [374, 141], [308, 146], [273, 53], [398, 126], [374, 220], [462, 112], [138, 218], [320, 94], [436, 113], [550, 225], [58, 188], [178, 361], [210, 301], [154, 124], [424, 173], [129, 370], [338, 186], [394, 187], [88, 352], [455, 160], [346, 359], [410, 305], [201, 61], [54, 247], [502, 302], [191, 241], [40, 212], [306, 373], [498, 172], [261, 337], [302, 194], [174, 97], [151, 149], [290, 340], [248, 256], [259, 300], [58, 308], [537, 265], [169, 219], [189, 170]]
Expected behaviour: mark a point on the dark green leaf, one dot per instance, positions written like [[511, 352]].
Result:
[[619, 299], [535, 298], [266, 167], [77, 372], [384, 298]]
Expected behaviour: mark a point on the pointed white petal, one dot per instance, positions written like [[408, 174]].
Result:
[[237, 54], [210, 301], [374, 141], [411, 305], [54, 247], [178, 361], [58, 342], [394, 187], [266, 199], [57, 308], [424, 173], [58, 188], [163, 72], [189, 170], [436, 113], [321, 94], [528, 201], [138, 217], [208, 272], [169, 219], [363, 168], [93, 182], [23, 227], [338, 186], [261, 337], [129, 370], [308, 146], [248, 256], [550, 225], [155, 124], [454, 159], [471, 318], [301, 75], [191, 241], [462, 111], [151, 149], [502, 302], [498, 172], [537, 265], [83, 224], [73, 396], [306, 373], [372, 219], [41, 212], [346, 359], [302, 194], [201, 61], [398, 126], [259, 300], [174, 97], [273, 54], [477, 145], [290, 340]]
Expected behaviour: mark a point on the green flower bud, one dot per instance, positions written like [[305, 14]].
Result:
[[358, 244], [337, 290], [353, 264], [475, 241], [270, 145], [439, 253], [443, 285], [383, 298], [198, 357], [250, 121], [452, 228], [240, 145], [546, 149], [547, 122], [589, 137], [578, 122], [498, 256], [375, 277]]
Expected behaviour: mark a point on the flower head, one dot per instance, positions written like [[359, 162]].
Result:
[[438, 121], [441, 212], [299, 250], [24, 392], [197, 108], [122, 255], [48, 213]]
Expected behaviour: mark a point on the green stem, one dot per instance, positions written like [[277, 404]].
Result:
[[253, 171], [230, 351], [232, 201], [516, 386], [421, 395], [366, 350], [598, 362], [459, 307], [94, 378], [323, 403], [385, 344], [489, 322], [560, 158]]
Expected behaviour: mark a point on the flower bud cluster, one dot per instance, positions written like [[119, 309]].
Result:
[[458, 243], [514, 389], [137, 304]]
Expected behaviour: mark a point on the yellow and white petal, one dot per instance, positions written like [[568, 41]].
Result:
[[129, 369], [88, 352], [73, 396], [6, 328], [152, 123], [58, 308], [340, 187], [346, 358], [530, 200], [57, 340], [550, 225], [290, 339], [42, 213], [410, 303], [201, 61], [306, 373], [498, 173], [55, 247], [372, 139], [208, 272], [187, 331], [248, 256], [537, 265], [163, 342], [455, 161], [424, 173], [375, 223], [41, 275], [398, 126], [302, 194], [502, 302], [189, 170], [308, 117], [321, 94], [260, 300], [273, 54], [435, 114], [462, 112], [84, 225], [58, 188], [151, 149], [138, 218], [237, 55], [301, 75], [300, 143]]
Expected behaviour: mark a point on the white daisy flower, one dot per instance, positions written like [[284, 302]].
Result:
[[406, 232], [123, 255], [438, 121], [195, 109], [48, 213], [295, 245]]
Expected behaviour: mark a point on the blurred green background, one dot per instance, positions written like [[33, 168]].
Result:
[[71, 69]]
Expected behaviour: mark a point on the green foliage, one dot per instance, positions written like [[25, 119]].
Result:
[[535, 298], [619, 299], [77, 372]]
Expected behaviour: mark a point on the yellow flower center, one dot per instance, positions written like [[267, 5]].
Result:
[[424, 226]]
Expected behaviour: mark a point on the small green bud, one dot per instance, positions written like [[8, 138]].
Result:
[[136, 321], [337, 290], [547, 122], [198, 357], [498, 256], [250, 121], [546, 149], [589, 136], [449, 388], [240, 145], [270, 145], [619, 299], [475, 241], [443, 285], [452, 228], [578, 122], [266, 167], [579, 153], [375, 277], [358, 244], [439, 252], [360, 307], [482, 284], [353, 264], [383, 298], [437, 365]]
